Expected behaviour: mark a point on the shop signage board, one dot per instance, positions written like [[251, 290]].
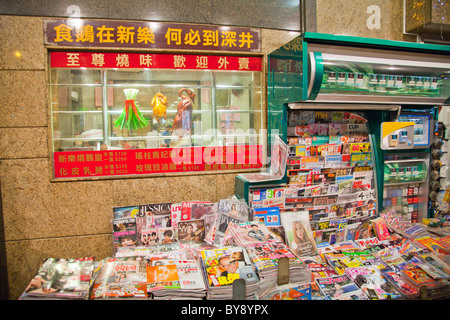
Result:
[[96, 44], [76, 164], [110, 60], [73, 32]]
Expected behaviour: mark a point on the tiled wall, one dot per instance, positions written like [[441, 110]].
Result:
[[71, 219]]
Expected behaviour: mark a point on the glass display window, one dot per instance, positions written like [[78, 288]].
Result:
[[108, 101]]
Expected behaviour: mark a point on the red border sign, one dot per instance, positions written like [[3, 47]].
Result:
[[154, 61], [149, 161]]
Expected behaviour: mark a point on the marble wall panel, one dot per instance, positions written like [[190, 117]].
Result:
[[273, 14], [276, 14], [225, 186], [190, 11], [365, 18], [59, 8], [30, 142], [164, 189], [21, 43], [273, 39], [26, 199], [24, 98], [33, 207]]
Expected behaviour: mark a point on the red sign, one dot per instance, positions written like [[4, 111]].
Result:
[[74, 32], [149, 161], [153, 61]]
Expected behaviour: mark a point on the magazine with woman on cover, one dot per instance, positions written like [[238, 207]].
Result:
[[298, 233]]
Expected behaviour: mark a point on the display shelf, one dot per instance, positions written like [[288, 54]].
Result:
[[398, 172]]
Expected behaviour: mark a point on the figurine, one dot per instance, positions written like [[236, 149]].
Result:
[[184, 111]]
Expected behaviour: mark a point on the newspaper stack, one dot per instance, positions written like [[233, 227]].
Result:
[[222, 266], [120, 278], [175, 280], [61, 279]]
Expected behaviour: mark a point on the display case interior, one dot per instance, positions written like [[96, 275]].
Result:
[[86, 105], [384, 75]]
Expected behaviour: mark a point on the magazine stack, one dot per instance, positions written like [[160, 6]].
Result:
[[197, 250], [222, 266], [265, 250], [120, 278], [175, 280], [61, 279], [296, 291]]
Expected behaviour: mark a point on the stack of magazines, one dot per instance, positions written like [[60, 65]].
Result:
[[402, 226], [175, 280], [120, 278], [265, 257], [222, 266], [265, 250], [61, 279]]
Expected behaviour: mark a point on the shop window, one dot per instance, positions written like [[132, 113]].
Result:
[[100, 103]]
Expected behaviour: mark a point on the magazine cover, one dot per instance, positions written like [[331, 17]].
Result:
[[199, 210], [124, 232], [265, 255], [121, 278], [186, 209], [429, 243], [340, 287], [191, 231], [269, 216], [278, 233], [381, 228], [421, 261], [417, 277], [370, 280], [399, 283], [190, 275], [167, 235], [126, 212], [279, 155], [250, 232], [223, 266], [149, 237], [436, 262], [262, 256], [234, 208], [61, 279], [175, 213], [298, 233], [229, 211], [154, 209], [210, 228], [162, 277]]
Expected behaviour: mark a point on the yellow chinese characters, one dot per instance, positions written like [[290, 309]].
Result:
[[126, 34]]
